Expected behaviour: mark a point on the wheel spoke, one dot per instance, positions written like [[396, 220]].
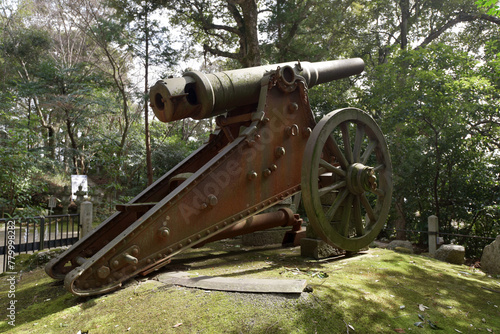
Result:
[[346, 216], [369, 211], [368, 151], [358, 140], [335, 206], [329, 167], [346, 179], [327, 189], [379, 192], [357, 219], [332, 145], [344, 127]]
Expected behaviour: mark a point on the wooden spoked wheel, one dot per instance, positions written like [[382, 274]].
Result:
[[347, 179]]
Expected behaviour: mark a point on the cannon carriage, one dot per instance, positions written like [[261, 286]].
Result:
[[267, 147]]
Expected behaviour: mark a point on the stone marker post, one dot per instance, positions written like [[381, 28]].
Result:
[[433, 228], [86, 218]]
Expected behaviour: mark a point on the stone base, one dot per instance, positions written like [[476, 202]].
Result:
[[318, 249], [292, 238], [451, 253], [267, 237], [273, 236]]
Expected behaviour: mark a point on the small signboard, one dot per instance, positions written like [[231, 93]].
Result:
[[52, 202]]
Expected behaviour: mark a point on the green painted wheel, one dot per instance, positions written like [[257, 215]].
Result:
[[347, 179]]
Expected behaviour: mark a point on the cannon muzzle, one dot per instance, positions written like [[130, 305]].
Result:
[[198, 95]]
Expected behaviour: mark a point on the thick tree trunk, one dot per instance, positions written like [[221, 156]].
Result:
[[245, 14], [246, 21]]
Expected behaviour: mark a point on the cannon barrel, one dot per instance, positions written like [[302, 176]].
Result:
[[198, 95]]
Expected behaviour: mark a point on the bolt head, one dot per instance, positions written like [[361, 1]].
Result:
[[164, 232], [103, 272], [280, 151], [212, 200], [252, 175]]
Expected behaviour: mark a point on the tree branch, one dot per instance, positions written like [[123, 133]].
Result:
[[461, 17], [221, 53]]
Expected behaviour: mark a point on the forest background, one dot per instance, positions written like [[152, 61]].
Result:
[[75, 76]]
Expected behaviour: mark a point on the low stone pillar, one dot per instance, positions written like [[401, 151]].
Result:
[[433, 228], [86, 218]]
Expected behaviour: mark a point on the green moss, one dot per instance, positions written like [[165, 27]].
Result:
[[375, 292]]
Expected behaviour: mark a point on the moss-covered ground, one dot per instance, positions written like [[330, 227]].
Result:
[[377, 291]]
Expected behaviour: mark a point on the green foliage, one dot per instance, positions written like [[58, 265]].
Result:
[[437, 111], [19, 175], [483, 223], [168, 154], [491, 5], [135, 24], [27, 44], [333, 95]]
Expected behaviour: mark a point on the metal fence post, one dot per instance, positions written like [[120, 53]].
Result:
[[86, 218], [433, 227], [42, 233]]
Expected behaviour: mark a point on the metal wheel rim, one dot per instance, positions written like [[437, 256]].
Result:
[[350, 164]]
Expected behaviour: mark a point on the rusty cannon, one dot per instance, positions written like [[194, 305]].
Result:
[[267, 147]]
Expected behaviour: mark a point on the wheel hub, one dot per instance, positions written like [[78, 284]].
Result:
[[361, 178]]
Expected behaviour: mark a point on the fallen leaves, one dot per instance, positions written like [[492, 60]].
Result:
[[419, 324], [433, 325], [349, 327], [422, 307]]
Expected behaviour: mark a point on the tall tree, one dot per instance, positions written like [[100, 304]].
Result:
[[92, 17], [225, 28], [149, 41], [25, 50], [443, 134]]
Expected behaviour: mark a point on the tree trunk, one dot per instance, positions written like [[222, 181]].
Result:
[[149, 165], [400, 223], [51, 142], [405, 15], [250, 41]]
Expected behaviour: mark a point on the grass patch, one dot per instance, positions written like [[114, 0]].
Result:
[[379, 291]]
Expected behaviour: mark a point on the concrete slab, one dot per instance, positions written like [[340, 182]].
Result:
[[254, 285]]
